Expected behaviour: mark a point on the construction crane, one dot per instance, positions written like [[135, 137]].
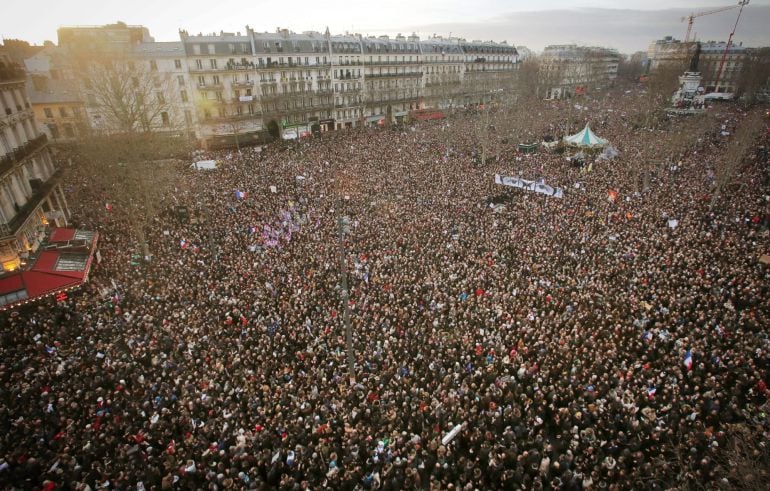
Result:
[[690, 18], [742, 4]]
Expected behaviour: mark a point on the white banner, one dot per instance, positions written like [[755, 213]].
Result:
[[537, 186]]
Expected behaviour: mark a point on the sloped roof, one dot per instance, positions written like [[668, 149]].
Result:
[[52, 91], [63, 263]]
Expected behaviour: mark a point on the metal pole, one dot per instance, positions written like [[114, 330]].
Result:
[[345, 299], [727, 46]]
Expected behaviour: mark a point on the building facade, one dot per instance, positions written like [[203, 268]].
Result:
[[568, 69], [253, 82], [234, 88], [668, 51], [30, 195], [711, 58]]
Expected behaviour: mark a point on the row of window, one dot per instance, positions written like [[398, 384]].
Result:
[[213, 63], [63, 112]]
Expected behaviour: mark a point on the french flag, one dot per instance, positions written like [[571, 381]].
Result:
[[240, 194], [688, 359], [183, 244], [651, 392]]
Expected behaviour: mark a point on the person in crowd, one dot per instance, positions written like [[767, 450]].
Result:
[[583, 342]]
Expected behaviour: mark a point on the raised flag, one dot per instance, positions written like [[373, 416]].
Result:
[[688, 359], [651, 392]]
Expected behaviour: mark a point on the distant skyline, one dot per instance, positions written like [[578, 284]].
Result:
[[627, 26]]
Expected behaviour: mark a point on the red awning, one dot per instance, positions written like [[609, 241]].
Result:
[[10, 284], [39, 284], [43, 277], [62, 234]]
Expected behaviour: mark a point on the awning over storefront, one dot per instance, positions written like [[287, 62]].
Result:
[[62, 263]]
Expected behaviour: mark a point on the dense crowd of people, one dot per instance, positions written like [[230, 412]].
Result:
[[606, 339]]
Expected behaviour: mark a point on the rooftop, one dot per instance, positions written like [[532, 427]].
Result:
[[61, 263]]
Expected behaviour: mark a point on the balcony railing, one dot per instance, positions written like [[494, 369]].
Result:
[[41, 193], [239, 66], [19, 154], [210, 86], [385, 75], [275, 64], [12, 73], [348, 76], [232, 118], [390, 63], [243, 83]]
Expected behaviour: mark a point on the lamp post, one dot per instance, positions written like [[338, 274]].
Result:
[[343, 224]]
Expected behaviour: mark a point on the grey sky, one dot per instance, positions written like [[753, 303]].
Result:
[[627, 25]]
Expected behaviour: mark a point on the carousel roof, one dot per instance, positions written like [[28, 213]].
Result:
[[585, 138]]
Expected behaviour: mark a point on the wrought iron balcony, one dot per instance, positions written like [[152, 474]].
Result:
[[239, 66], [19, 154], [40, 194], [393, 75], [210, 86], [391, 63], [12, 72], [243, 83]]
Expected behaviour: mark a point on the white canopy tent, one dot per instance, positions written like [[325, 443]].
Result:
[[586, 139]]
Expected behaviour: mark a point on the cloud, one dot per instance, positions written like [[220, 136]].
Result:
[[626, 30]]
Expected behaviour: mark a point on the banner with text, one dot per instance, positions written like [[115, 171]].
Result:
[[536, 186]]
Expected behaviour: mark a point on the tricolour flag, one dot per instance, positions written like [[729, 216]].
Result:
[[651, 392], [688, 359], [240, 194]]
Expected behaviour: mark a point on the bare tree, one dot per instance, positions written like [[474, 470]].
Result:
[[661, 85], [630, 68], [744, 458], [135, 175], [130, 156], [124, 94], [754, 79], [741, 143]]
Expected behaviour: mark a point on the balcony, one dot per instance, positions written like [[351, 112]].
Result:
[[204, 69], [19, 154], [12, 73], [275, 64], [232, 118], [210, 86], [391, 75], [391, 63], [239, 66], [40, 194], [243, 83]]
